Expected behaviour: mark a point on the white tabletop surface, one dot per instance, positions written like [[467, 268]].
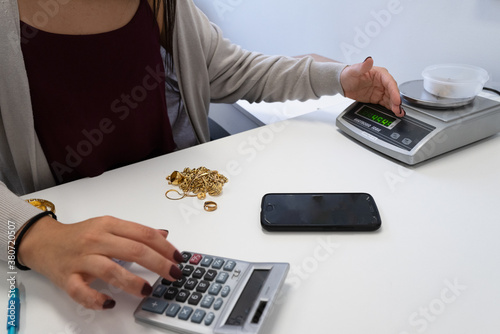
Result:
[[271, 112], [432, 268]]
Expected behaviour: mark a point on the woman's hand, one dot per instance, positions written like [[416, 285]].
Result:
[[74, 255], [365, 83]]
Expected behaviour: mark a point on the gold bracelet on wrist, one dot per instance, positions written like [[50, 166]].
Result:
[[42, 204]]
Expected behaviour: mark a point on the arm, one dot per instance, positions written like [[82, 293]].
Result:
[[224, 72], [14, 212], [235, 73], [74, 255], [367, 83]]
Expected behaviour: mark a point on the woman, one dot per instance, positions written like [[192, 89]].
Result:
[[80, 94]]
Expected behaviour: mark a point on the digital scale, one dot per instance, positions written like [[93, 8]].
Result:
[[432, 125]]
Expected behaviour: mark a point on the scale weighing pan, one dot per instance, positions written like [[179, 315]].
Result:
[[414, 93], [432, 125]]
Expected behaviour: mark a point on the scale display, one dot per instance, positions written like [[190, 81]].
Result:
[[424, 132], [375, 122], [378, 117]]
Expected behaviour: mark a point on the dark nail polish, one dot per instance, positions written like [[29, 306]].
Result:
[[402, 110], [367, 58], [175, 272], [108, 304], [178, 257], [146, 289]]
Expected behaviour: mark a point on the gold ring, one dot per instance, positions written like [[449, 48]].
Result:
[[210, 206], [42, 204]]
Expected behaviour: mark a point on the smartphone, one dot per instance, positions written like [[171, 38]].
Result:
[[319, 212]]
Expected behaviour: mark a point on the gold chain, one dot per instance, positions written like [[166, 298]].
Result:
[[196, 182]]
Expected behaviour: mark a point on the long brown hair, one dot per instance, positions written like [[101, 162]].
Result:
[[165, 9]]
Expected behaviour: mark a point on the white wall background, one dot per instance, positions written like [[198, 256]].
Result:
[[403, 35]]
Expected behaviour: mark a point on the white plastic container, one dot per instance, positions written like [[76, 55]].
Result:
[[454, 80]]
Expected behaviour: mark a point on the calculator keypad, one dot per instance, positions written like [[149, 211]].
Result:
[[200, 294], [215, 295]]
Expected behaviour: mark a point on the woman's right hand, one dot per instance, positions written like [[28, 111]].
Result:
[[74, 255]]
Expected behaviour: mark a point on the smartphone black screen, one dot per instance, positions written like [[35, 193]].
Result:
[[319, 212]]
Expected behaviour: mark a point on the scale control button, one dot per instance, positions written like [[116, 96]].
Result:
[[395, 135], [407, 141]]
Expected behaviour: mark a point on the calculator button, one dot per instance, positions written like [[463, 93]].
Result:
[[195, 298], [165, 281], [199, 272], [218, 263], [207, 261], [155, 305], [195, 259], [209, 319], [185, 313], [171, 293], [230, 265], [198, 316], [191, 283], [202, 286], [187, 270], [180, 282], [172, 310], [207, 301], [225, 291], [186, 256], [218, 304], [215, 289], [160, 290], [210, 275], [182, 296], [222, 277]]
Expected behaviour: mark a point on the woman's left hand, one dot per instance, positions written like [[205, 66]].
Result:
[[364, 82]]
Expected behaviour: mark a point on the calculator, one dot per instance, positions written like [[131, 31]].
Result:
[[216, 295]]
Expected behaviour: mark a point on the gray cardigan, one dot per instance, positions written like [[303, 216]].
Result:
[[209, 68]]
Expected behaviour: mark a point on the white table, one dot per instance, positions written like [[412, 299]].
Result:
[[432, 267]]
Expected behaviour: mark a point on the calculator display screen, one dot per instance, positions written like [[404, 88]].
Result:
[[243, 306]]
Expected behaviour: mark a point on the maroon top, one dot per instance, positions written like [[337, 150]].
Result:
[[98, 100]]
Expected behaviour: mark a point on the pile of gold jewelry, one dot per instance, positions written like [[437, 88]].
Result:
[[197, 182]]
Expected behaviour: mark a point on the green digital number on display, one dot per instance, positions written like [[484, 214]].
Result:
[[376, 117], [381, 120]]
